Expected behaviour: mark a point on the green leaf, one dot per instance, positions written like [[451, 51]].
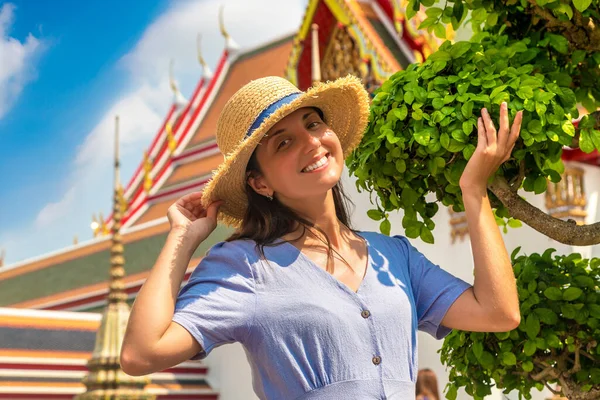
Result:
[[468, 151], [582, 5], [422, 137], [530, 348], [440, 30], [478, 349], [546, 315], [553, 293], [440, 55], [479, 14], [426, 235], [540, 185], [532, 326], [534, 126], [527, 366], [459, 49], [385, 227], [595, 136], [585, 141], [401, 166], [558, 42], [568, 128], [572, 293], [525, 92], [409, 196], [409, 97], [467, 109], [401, 112], [434, 12], [509, 359], [375, 214]]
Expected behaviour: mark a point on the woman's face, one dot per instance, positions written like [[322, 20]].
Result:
[[300, 157]]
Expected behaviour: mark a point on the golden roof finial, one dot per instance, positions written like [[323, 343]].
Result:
[[147, 169], [206, 72], [2, 255], [105, 378], [75, 240], [178, 98], [316, 57], [172, 143], [230, 44]]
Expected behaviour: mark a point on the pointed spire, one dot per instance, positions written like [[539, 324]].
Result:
[[316, 58], [230, 45], [75, 240], [178, 98], [2, 255], [105, 378], [206, 72]]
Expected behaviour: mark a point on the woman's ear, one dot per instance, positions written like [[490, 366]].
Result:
[[258, 183]]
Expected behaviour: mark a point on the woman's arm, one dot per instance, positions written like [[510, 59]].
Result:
[[492, 304], [152, 341]]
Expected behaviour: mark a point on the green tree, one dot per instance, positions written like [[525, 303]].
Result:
[[540, 56]]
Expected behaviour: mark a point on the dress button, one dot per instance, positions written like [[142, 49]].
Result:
[[365, 314], [376, 360]]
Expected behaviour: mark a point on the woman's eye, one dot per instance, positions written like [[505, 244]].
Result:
[[313, 125], [282, 143]]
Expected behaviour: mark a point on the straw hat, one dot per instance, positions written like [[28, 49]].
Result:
[[259, 105]]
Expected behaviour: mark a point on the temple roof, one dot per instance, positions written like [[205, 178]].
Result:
[[43, 355], [75, 278]]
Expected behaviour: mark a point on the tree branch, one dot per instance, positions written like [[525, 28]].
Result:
[[582, 35], [562, 231]]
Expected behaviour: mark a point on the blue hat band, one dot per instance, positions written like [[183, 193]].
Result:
[[267, 112]]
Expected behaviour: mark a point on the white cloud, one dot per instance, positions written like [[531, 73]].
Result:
[[55, 211], [16, 60], [144, 103]]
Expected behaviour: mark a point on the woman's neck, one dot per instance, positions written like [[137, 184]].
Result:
[[321, 212]]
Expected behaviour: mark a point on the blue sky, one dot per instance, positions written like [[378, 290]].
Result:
[[66, 68]]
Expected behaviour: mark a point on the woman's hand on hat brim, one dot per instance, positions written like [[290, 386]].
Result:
[[189, 217]]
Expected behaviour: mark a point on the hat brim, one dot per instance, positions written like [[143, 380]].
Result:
[[345, 106]]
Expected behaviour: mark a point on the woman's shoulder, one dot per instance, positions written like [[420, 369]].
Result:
[[235, 254]]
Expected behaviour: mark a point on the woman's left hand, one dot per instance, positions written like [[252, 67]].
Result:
[[492, 150]]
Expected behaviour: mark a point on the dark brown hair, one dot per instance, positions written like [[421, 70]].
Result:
[[267, 220], [427, 384]]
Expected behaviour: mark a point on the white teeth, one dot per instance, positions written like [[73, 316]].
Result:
[[316, 165]]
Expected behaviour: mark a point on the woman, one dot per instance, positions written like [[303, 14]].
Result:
[[427, 385], [323, 312]]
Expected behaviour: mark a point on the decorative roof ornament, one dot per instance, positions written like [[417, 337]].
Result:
[[178, 98], [206, 71], [316, 57], [566, 199], [75, 240], [147, 169], [458, 225], [171, 142], [98, 225], [2, 255], [106, 379], [230, 45]]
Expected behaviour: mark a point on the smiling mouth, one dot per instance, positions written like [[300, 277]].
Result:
[[322, 163]]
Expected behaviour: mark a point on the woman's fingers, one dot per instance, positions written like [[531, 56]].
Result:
[[515, 129], [490, 129], [503, 137], [481, 135]]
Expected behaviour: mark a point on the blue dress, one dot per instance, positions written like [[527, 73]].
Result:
[[306, 334]]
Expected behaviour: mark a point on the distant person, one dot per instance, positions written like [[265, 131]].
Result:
[[323, 311], [427, 385]]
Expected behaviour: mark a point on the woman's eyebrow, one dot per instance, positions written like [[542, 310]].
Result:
[[308, 114]]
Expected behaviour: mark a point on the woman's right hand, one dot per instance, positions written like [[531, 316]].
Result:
[[190, 218]]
